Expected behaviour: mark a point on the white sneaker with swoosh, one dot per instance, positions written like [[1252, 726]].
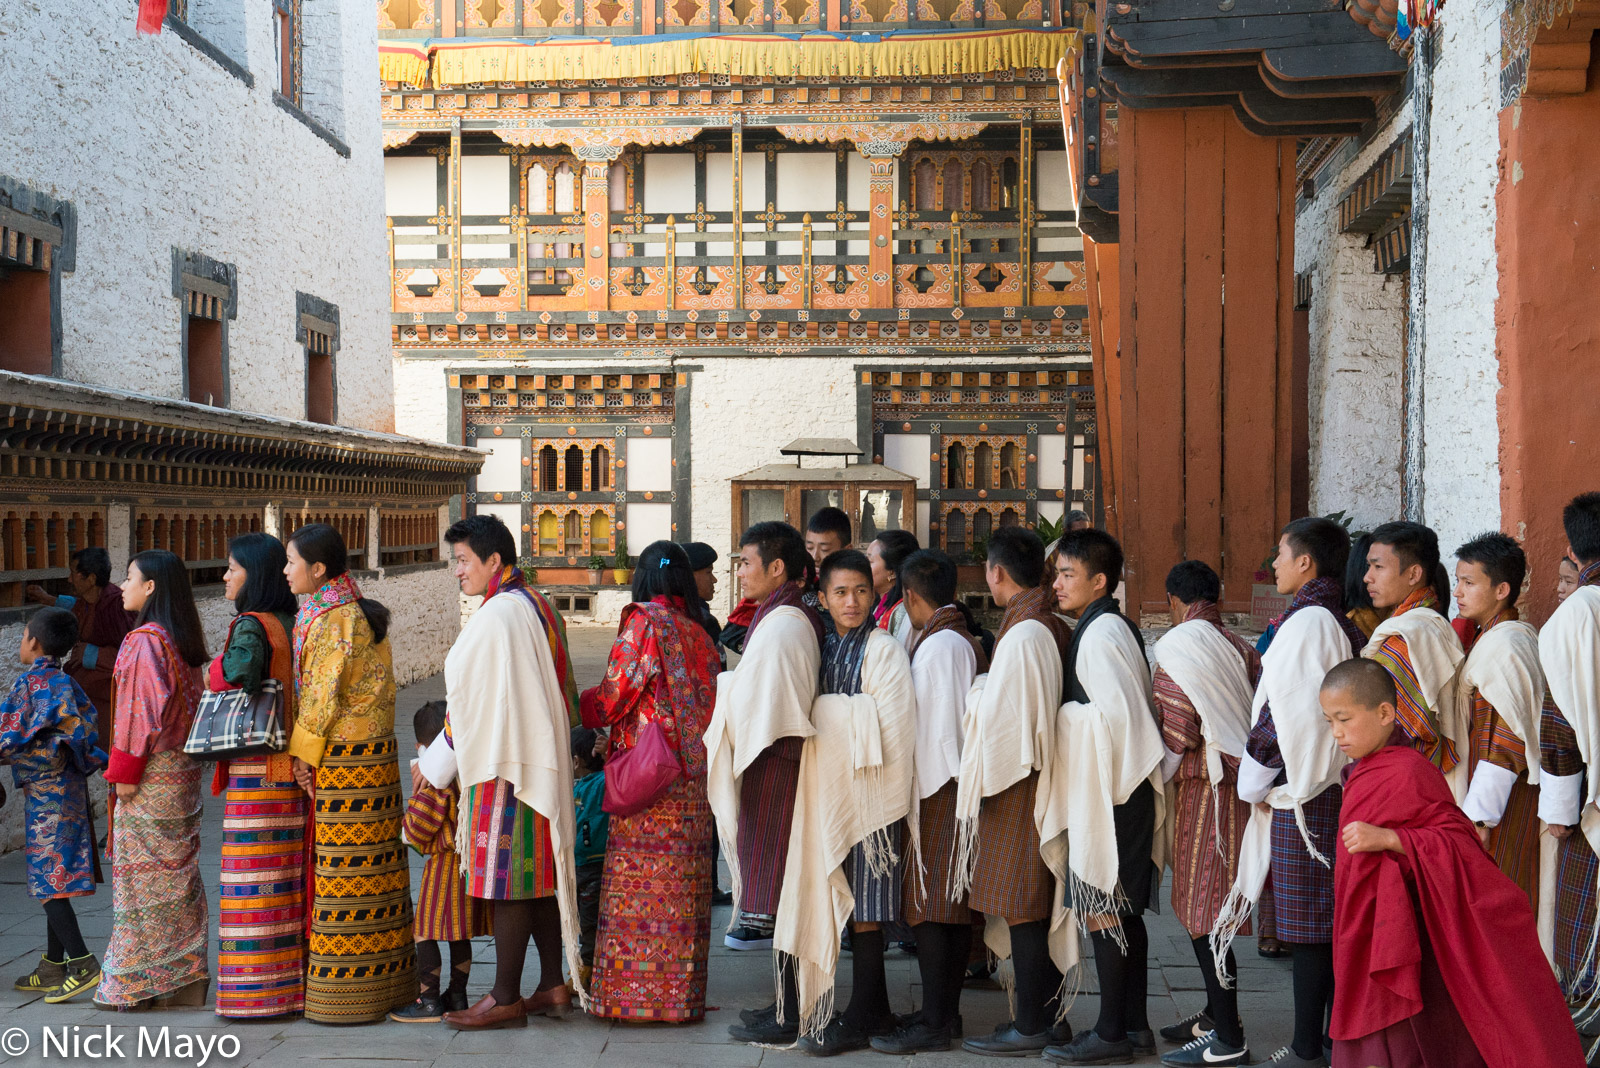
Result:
[[1205, 1051]]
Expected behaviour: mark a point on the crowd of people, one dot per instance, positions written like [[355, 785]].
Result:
[[1372, 784]]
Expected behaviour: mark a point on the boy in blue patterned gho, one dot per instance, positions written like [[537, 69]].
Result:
[[47, 735]]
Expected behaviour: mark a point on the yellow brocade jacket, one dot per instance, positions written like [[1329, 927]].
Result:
[[347, 686]]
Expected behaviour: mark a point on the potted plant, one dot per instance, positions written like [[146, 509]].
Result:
[[621, 574], [596, 565]]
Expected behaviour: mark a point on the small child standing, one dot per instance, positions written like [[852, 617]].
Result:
[[47, 735], [589, 851], [1435, 953], [444, 912]]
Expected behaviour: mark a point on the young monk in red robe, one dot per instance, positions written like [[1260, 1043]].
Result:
[[1436, 957]]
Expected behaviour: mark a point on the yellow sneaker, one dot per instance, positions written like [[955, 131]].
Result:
[[82, 975], [46, 977]]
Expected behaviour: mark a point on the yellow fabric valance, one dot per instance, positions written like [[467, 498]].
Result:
[[816, 55]]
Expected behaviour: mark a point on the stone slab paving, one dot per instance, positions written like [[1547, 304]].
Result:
[[76, 1033]]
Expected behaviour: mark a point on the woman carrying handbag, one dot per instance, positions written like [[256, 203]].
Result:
[[261, 966], [655, 900]]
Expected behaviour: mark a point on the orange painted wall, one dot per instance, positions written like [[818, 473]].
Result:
[[1209, 388], [1547, 318]]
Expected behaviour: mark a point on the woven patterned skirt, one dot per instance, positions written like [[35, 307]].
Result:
[[1514, 843], [878, 894], [160, 926], [261, 964], [937, 828], [1009, 878], [1208, 828], [363, 962], [766, 815], [512, 859], [445, 913], [655, 910], [1576, 872], [1302, 886]]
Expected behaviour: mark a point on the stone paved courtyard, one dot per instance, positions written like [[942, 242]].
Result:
[[738, 980]]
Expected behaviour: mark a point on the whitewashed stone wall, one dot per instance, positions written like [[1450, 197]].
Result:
[[1461, 469], [1357, 351], [158, 146]]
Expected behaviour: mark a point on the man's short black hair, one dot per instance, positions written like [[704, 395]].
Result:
[[932, 574], [94, 562], [485, 535], [428, 721], [777, 540], [1366, 681], [1020, 552], [1501, 558], [830, 520], [1326, 542], [845, 560], [1096, 550], [1192, 581], [1412, 542], [1581, 518], [55, 629]]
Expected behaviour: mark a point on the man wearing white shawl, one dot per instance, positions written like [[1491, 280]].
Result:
[[753, 748], [1003, 792], [506, 739], [1292, 765], [946, 656], [1204, 683], [1105, 807], [1569, 742], [850, 843], [1503, 686], [1418, 647]]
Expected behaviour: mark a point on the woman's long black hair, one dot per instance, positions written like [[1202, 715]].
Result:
[[895, 546], [1355, 575], [265, 588], [318, 543], [663, 571], [171, 604]]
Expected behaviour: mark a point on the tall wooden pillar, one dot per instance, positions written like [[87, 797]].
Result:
[[597, 161], [1206, 465], [880, 248]]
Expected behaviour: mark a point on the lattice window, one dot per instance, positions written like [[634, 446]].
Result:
[[350, 523], [36, 547], [407, 537], [200, 536]]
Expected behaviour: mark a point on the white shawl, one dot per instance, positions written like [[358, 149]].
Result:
[[766, 697], [509, 720], [1010, 728], [855, 782], [1504, 668], [1304, 650], [1569, 651], [1435, 653], [1105, 748], [1212, 675], [942, 671]]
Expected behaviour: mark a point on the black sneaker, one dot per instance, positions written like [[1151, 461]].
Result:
[[454, 1001], [917, 1036], [751, 1017], [1288, 1058], [1196, 1025], [1205, 1051], [838, 1037], [747, 937], [1144, 1042], [1089, 1048], [423, 1010], [766, 1033]]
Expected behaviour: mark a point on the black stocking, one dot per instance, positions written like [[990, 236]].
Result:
[[63, 941], [1137, 981], [513, 926], [942, 950], [1313, 993], [1222, 1003], [1037, 980], [428, 965], [547, 937], [1112, 966], [460, 965], [869, 989]]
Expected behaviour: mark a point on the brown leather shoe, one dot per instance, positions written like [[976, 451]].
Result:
[[557, 1001], [486, 1015]]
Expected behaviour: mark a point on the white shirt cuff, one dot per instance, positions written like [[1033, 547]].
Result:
[[1169, 765], [1255, 780], [1560, 799], [1488, 793], [438, 762]]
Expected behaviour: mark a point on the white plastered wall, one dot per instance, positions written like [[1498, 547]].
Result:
[[157, 147]]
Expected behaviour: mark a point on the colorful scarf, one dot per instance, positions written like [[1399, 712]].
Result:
[[333, 593], [951, 617]]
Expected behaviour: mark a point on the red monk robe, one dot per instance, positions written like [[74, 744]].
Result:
[[1436, 958]]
